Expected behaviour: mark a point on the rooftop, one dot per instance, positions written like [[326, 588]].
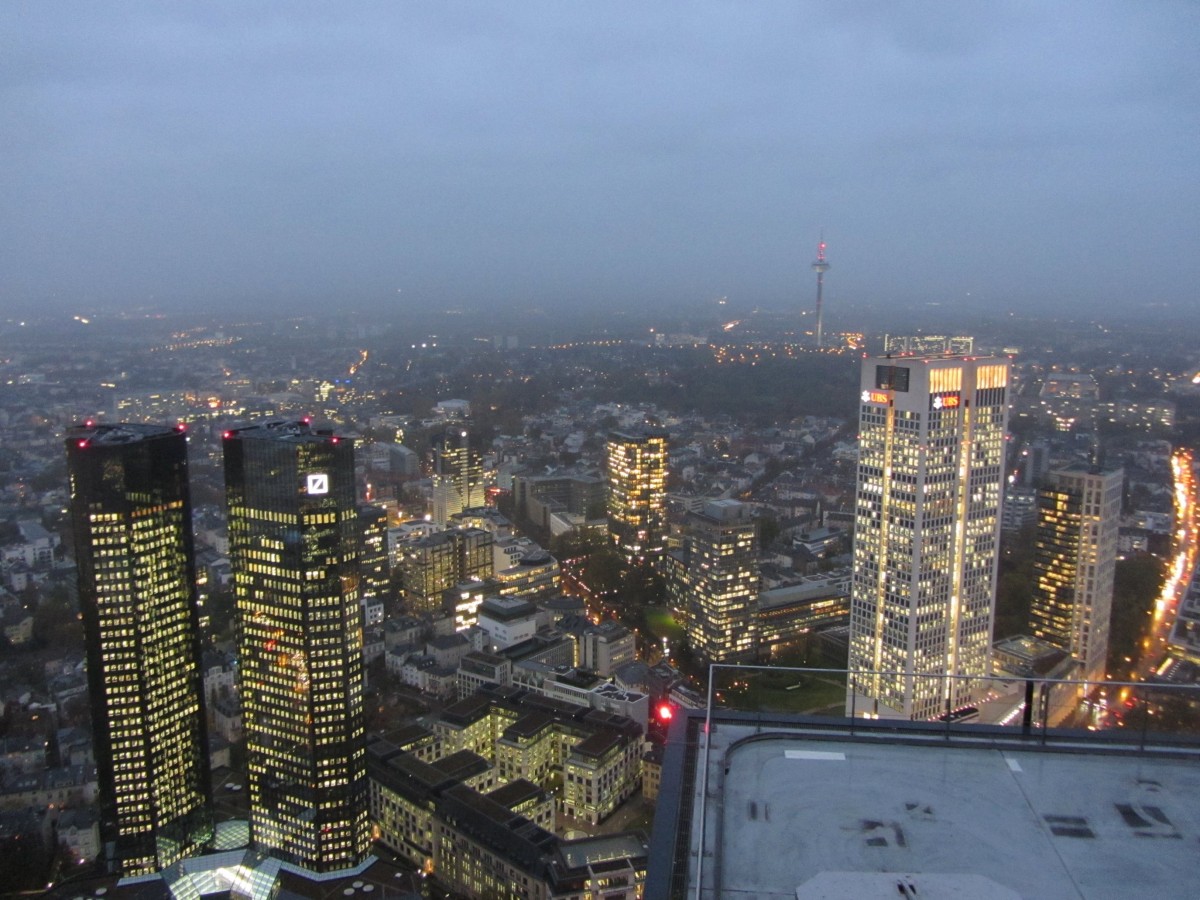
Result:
[[281, 430], [506, 609], [122, 433], [804, 804]]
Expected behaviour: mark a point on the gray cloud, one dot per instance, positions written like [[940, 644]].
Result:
[[636, 154]]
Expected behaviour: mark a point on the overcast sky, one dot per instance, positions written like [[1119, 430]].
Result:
[[1016, 155]]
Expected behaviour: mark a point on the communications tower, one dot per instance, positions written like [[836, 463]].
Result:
[[820, 266]]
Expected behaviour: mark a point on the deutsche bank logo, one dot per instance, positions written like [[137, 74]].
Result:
[[317, 484]]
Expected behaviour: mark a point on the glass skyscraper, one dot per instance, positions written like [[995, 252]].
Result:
[[457, 475], [1075, 559], [131, 514], [926, 533], [294, 546]]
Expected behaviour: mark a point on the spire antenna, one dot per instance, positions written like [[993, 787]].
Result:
[[820, 266]]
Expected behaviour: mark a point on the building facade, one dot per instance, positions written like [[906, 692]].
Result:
[[131, 513], [294, 544], [927, 529], [722, 582], [434, 564], [375, 562], [636, 468], [1075, 559], [457, 475]]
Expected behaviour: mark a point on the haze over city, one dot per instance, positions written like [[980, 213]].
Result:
[[542, 156]]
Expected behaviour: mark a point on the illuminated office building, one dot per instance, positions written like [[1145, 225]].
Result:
[[1075, 559], [131, 513], [722, 582], [294, 544], [375, 562], [926, 533], [434, 564], [636, 467], [457, 475]]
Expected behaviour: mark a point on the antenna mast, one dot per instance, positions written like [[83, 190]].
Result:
[[820, 266]]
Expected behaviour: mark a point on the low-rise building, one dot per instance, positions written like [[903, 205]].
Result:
[[652, 761], [788, 612], [604, 647], [526, 799], [479, 668], [509, 620], [227, 718], [536, 574], [78, 829], [400, 631], [601, 772], [60, 787]]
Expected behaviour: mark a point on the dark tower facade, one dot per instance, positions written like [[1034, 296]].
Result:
[[132, 518], [294, 544], [1074, 563]]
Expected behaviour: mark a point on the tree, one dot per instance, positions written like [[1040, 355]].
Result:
[[768, 531], [604, 571], [24, 861]]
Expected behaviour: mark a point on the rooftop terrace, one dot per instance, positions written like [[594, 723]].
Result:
[[782, 805]]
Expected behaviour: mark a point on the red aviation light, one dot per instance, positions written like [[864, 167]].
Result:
[[181, 427], [227, 435], [334, 439], [665, 713], [89, 423], [83, 444]]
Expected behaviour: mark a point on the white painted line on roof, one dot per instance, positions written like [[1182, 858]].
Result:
[[814, 754], [1013, 764]]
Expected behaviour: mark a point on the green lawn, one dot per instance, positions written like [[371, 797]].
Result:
[[784, 691], [661, 623]]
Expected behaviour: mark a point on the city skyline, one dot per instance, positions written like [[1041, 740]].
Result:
[[792, 465], [448, 156]]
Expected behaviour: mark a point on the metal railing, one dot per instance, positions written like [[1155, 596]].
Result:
[[1131, 711], [1126, 717]]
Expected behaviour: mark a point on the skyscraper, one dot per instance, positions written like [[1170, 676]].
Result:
[[1075, 559], [457, 474], [294, 546], [636, 467], [722, 582], [132, 518], [375, 563], [926, 533]]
